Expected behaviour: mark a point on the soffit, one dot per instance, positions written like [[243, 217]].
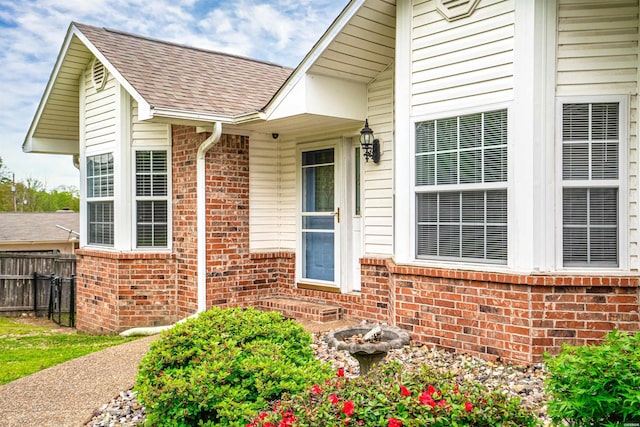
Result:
[[59, 117], [364, 47]]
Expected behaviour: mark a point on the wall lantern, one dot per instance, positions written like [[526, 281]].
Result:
[[370, 146]]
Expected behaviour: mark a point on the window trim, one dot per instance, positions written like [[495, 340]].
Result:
[[621, 183], [486, 265], [98, 199], [135, 198]]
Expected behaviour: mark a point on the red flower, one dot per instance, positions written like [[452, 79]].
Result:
[[404, 391], [394, 422], [334, 399], [340, 372], [426, 399], [468, 406], [316, 389], [269, 424], [431, 389], [348, 408]]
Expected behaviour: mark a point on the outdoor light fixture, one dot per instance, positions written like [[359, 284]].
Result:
[[370, 146]]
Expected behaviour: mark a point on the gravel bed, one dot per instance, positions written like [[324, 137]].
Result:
[[526, 383]]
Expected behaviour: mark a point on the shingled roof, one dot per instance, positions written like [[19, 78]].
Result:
[[173, 76], [38, 226]]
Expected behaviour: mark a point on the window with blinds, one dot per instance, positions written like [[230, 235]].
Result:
[[590, 179], [461, 194], [100, 216], [152, 202]]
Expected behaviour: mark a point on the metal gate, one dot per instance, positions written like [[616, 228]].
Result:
[[62, 300]]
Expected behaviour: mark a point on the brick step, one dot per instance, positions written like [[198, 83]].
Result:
[[299, 309]]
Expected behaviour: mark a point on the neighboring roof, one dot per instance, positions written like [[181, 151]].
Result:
[[179, 77], [38, 226]]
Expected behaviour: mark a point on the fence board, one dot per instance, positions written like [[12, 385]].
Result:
[[17, 283]]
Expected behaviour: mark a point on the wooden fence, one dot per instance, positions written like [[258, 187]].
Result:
[[24, 280]]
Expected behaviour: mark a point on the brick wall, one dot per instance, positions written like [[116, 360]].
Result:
[[512, 317], [185, 143], [117, 291]]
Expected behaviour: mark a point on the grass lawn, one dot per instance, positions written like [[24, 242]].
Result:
[[26, 348]]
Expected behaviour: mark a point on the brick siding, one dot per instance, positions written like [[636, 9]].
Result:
[[117, 291]]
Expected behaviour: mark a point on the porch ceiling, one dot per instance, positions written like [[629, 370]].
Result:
[[306, 125]]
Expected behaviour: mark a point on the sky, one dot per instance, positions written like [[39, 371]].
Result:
[[32, 33]]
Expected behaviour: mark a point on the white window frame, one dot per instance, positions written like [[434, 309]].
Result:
[[99, 199], [621, 182], [135, 199], [506, 185]]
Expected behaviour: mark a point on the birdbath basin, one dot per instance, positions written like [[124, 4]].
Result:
[[367, 353]]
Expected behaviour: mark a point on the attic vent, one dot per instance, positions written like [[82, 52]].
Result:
[[99, 75], [456, 9]]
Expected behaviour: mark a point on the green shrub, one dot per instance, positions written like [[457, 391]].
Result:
[[223, 366], [596, 385], [386, 397]]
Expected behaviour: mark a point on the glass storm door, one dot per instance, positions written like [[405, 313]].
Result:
[[319, 217]]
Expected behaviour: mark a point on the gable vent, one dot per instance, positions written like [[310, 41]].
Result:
[[99, 75], [456, 9]]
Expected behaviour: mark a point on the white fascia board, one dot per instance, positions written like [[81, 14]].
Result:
[[50, 146], [329, 96], [336, 27], [324, 96], [143, 106]]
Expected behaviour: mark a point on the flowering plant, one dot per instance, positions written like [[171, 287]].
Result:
[[389, 397]]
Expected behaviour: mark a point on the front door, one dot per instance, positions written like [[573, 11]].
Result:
[[319, 218]]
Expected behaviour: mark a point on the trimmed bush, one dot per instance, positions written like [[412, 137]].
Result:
[[387, 397], [223, 366], [596, 385]]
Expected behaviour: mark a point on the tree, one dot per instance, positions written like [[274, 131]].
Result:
[[32, 196]]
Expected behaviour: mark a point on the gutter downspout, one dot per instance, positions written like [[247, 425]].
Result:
[[201, 214]]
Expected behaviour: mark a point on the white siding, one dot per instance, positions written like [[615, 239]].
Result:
[[597, 47], [468, 60], [148, 134], [598, 55], [378, 179], [100, 112], [264, 215], [287, 194]]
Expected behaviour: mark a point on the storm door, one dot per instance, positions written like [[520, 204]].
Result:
[[319, 218]]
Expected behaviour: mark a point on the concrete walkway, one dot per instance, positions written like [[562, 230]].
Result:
[[66, 395]]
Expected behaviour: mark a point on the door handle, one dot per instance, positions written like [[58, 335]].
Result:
[[337, 214]]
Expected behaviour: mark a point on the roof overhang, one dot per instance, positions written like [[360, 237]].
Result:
[[332, 79], [55, 128]]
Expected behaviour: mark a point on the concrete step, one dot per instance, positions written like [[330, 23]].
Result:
[[299, 309]]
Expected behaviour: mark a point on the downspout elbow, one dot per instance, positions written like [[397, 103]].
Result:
[[201, 213]]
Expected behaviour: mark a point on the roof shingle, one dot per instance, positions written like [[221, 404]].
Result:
[[188, 79]]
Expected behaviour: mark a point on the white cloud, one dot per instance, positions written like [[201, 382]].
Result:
[[32, 32]]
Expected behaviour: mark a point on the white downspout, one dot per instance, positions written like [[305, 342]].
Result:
[[201, 213]]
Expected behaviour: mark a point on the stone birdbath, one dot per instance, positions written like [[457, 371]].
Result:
[[368, 343]]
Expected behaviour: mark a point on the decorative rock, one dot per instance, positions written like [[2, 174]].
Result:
[[525, 382]]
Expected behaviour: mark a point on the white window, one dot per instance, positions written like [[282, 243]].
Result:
[[590, 184], [461, 188], [100, 200], [152, 199]]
